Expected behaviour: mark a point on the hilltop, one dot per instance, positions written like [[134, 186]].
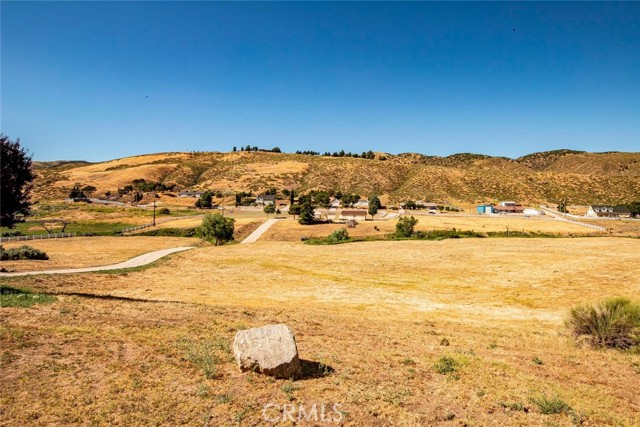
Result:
[[581, 177]]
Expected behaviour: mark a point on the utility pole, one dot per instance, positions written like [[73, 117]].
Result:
[[154, 209]]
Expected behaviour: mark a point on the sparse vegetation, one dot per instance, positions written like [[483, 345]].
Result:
[[611, 323], [446, 365], [202, 354], [17, 297], [549, 405]]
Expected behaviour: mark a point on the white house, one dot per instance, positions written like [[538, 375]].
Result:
[[608, 211]]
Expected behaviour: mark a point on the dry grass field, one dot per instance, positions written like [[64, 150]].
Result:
[[290, 230], [80, 252], [372, 319]]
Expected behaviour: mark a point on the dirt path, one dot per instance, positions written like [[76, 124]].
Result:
[[260, 231], [138, 261]]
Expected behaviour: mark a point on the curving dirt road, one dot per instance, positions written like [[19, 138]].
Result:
[[138, 261]]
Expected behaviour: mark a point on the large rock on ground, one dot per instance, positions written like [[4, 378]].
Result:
[[269, 350]]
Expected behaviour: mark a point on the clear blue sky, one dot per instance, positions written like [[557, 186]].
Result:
[[102, 80]]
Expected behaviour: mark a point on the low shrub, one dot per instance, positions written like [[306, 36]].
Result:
[[12, 234], [612, 323], [22, 252], [446, 365], [338, 236], [171, 232], [164, 211], [550, 405]]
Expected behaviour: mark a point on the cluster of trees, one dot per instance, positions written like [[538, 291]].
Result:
[[142, 185], [634, 208], [250, 148], [81, 193], [348, 200], [364, 155]]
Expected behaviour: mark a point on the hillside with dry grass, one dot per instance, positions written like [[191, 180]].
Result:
[[581, 177]]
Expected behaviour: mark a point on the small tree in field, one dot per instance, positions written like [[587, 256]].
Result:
[[374, 205], [205, 201], [405, 226], [15, 182], [294, 209], [269, 209], [307, 215], [216, 228]]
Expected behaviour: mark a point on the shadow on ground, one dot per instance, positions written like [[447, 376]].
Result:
[[312, 370]]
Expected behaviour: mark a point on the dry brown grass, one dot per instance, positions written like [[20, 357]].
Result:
[[291, 230], [90, 251], [375, 312]]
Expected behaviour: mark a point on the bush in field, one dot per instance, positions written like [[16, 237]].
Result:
[[340, 235], [405, 226], [23, 252], [164, 211], [611, 323]]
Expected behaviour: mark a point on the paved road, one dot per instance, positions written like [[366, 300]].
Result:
[[138, 261], [260, 230]]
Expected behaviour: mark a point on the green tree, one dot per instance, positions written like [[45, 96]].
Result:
[[89, 190], [307, 215], [216, 228], [76, 193], [634, 208], [294, 210], [562, 206], [405, 226], [269, 209], [205, 201], [374, 205], [322, 198], [16, 178], [410, 204]]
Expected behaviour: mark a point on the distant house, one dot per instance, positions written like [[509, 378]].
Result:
[[426, 205], [485, 209], [608, 211], [191, 193], [508, 207], [362, 203], [353, 214], [266, 199], [531, 211]]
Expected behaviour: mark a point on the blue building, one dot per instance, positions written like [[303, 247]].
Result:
[[485, 209]]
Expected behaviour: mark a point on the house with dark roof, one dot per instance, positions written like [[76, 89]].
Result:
[[266, 199], [191, 193], [608, 211]]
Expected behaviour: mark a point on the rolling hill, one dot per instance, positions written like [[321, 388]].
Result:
[[581, 177]]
